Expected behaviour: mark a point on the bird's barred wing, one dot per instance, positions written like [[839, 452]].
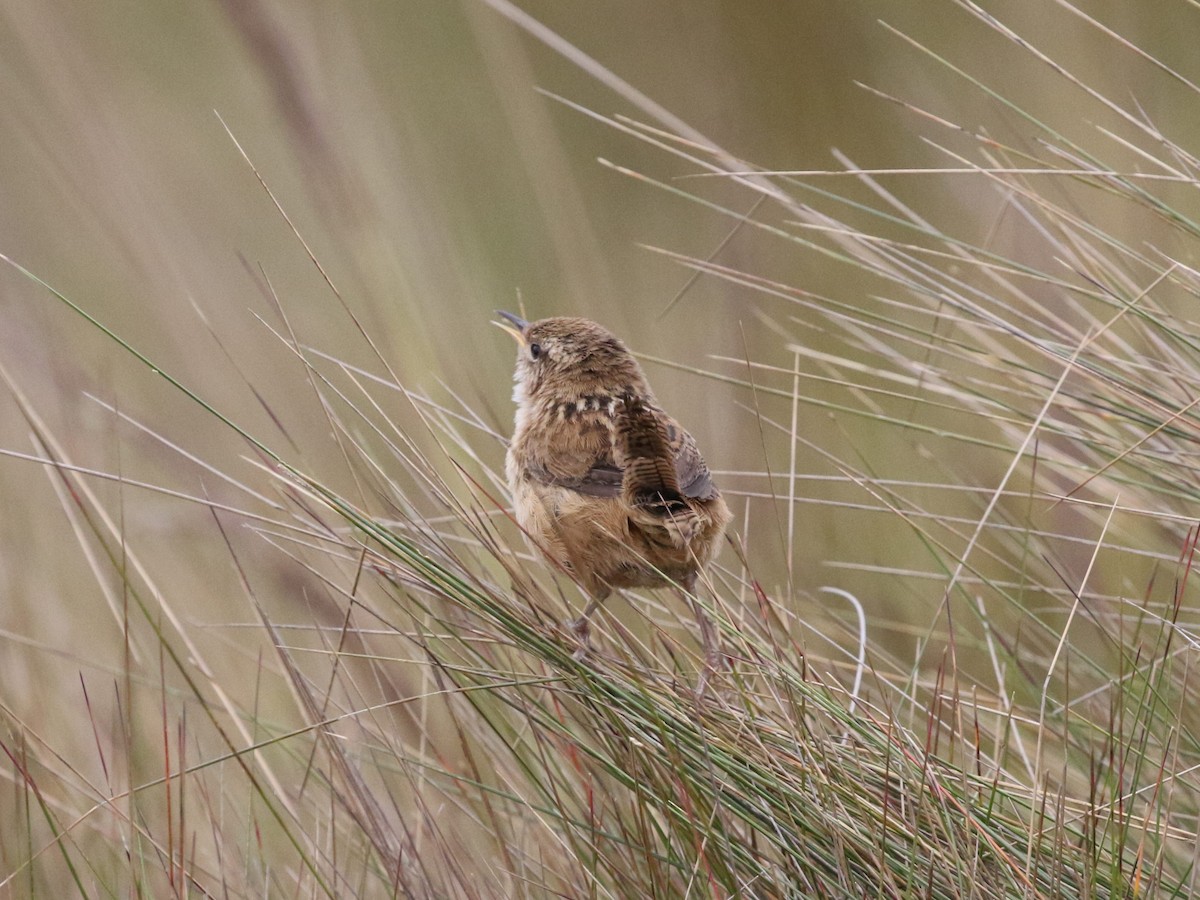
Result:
[[662, 459]]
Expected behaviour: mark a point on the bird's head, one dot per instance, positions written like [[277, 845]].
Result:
[[563, 360]]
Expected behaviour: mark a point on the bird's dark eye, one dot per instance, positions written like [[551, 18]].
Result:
[[535, 351]]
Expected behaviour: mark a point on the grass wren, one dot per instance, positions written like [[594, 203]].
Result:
[[602, 479]]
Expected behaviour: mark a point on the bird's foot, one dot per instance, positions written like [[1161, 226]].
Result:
[[715, 660], [711, 668], [582, 630]]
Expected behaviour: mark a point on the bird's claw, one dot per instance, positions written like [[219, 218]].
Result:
[[582, 630]]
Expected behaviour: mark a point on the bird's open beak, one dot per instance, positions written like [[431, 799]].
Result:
[[515, 325]]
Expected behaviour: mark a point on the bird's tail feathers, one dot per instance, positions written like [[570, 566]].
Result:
[[650, 484]]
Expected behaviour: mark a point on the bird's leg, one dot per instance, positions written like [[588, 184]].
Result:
[[582, 628], [709, 639]]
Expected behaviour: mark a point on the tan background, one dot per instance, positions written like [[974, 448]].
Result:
[[410, 148]]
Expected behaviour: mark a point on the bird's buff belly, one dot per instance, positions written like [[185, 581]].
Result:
[[594, 538]]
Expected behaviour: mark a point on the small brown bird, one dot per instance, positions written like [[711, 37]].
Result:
[[602, 479]]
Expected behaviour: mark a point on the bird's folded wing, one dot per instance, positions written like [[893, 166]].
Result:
[[601, 480], [691, 470], [604, 478]]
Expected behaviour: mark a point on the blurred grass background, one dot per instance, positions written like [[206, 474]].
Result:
[[411, 149]]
